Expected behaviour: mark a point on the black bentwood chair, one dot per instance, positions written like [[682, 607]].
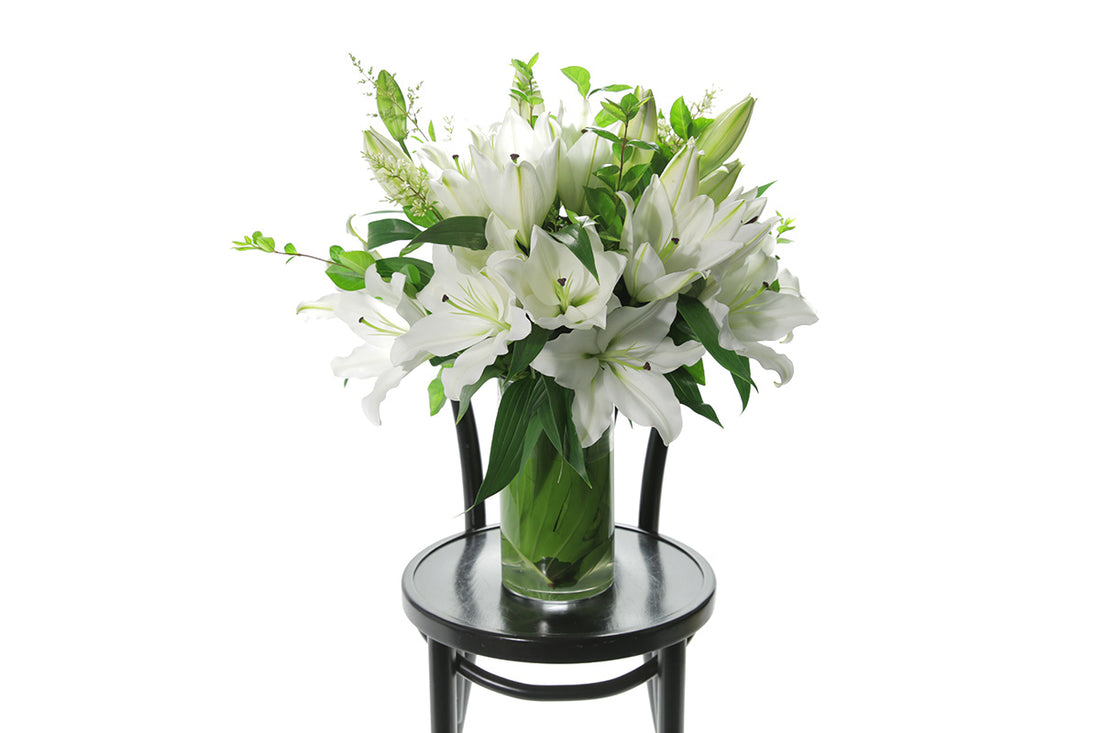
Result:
[[663, 593]]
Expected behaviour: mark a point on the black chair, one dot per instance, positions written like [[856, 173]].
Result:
[[663, 593]]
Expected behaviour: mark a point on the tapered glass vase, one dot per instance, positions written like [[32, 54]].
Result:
[[557, 530]]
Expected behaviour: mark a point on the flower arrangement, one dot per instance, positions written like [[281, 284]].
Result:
[[587, 258]]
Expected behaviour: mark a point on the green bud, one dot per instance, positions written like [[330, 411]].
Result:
[[719, 182], [644, 124], [720, 138], [378, 147]]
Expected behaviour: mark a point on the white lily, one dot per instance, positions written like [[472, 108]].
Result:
[[621, 366], [379, 314], [511, 172], [555, 288], [576, 164], [519, 191], [749, 308], [474, 313], [500, 239]]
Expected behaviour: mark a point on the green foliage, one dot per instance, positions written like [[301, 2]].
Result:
[[457, 231], [579, 243], [348, 268], [785, 225], [525, 351], [699, 320], [761, 189], [696, 371], [687, 392], [530, 407], [384, 231], [436, 398], [603, 204], [556, 419], [680, 119], [417, 272], [526, 98], [510, 448], [257, 241], [425, 219], [391, 106], [579, 76], [491, 372]]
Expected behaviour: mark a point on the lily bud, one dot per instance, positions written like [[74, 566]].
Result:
[[377, 146], [643, 126], [680, 177], [720, 138], [720, 181]]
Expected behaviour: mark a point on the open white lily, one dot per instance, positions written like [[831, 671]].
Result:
[[753, 300], [555, 288], [379, 314], [512, 172], [474, 313], [621, 365]]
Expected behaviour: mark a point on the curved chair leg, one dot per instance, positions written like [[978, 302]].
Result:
[[670, 688], [444, 691]]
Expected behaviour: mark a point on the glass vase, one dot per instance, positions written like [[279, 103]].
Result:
[[556, 530]]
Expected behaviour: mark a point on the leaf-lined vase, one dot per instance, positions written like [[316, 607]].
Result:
[[557, 530]]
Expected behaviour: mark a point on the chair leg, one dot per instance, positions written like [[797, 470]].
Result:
[[444, 697], [463, 691], [670, 688], [651, 689]]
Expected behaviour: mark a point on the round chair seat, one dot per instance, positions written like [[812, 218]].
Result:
[[663, 593]]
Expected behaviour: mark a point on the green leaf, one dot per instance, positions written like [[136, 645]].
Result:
[[696, 372], [579, 243], [418, 272], [699, 124], [436, 398], [702, 325], [289, 249], [601, 203], [519, 406], [687, 392], [556, 416], [421, 221], [613, 109], [457, 231], [604, 118], [431, 130], [609, 174], [335, 251], [391, 105], [344, 278], [468, 392], [356, 260], [644, 145], [525, 351], [351, 230], [680, 119], [605, 134], [579, 76], [638, 174], [761, 189], [612, 88], [630, 105], [384, 231]]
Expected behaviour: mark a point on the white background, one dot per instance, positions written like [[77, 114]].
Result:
[[199, 531]]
